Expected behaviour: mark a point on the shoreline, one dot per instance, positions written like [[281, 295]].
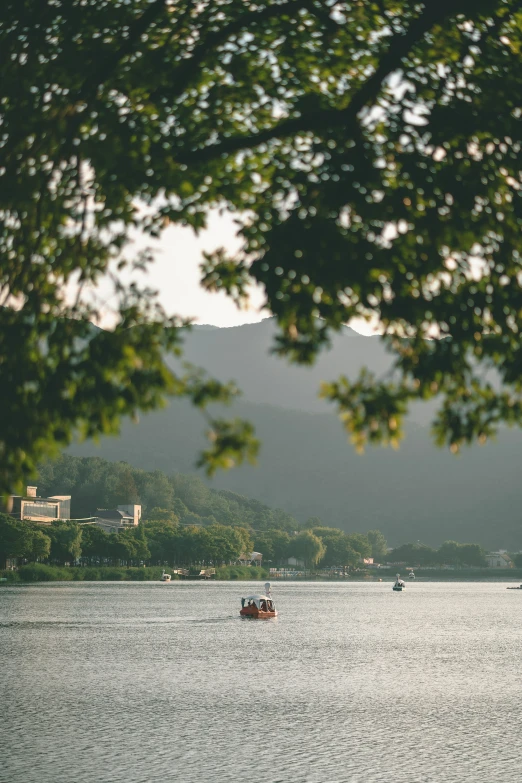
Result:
[[38, 573]]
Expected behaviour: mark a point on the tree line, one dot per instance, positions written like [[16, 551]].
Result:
[[449, 553], [160, 539]]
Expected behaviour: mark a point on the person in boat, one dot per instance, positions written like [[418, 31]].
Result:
[[264, 607], [242, 603]]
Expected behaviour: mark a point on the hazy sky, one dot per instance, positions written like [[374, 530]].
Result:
[[175, 274]]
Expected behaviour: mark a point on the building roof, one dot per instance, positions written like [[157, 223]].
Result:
[[35, 498], [113, 514]]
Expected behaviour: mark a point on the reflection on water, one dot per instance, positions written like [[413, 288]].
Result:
[[147, 682]]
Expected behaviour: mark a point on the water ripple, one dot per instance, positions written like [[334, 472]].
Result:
[[350, 684]]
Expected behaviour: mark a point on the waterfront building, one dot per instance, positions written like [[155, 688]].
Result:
[[43, 510], [499, 560]]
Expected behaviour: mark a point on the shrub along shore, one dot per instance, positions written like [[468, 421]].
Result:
[[40, 572]]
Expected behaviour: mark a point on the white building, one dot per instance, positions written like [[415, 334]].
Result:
[[498, 560]]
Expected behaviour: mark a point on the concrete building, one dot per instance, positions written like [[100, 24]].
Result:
[[112, 520], [37, 509]]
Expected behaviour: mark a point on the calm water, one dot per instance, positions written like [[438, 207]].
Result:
[[134, 683]]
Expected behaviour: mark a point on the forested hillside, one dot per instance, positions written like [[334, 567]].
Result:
[[306, 464], [183, 523], [193, 526], [96, 483]]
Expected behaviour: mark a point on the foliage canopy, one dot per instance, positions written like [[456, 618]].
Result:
[[369, 151]]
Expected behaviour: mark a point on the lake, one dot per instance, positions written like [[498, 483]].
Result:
[[140, 682]]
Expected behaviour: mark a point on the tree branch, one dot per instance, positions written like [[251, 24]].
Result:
[[316, 121]]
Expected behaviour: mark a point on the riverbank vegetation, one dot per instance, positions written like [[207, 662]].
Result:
[[160, 540], [85, 551], [41, 572]]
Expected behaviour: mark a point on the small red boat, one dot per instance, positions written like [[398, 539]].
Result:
[[258, 607]]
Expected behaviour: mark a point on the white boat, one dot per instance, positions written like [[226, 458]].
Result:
[[411, 575], [165, 577], [399, 585]]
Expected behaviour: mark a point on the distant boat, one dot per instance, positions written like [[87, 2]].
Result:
[[258, 607], [514, 588], [399, 585], [411, 575], [165, 577]]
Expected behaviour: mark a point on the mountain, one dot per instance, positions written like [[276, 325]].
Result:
[[243, 353], [306, 465]]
